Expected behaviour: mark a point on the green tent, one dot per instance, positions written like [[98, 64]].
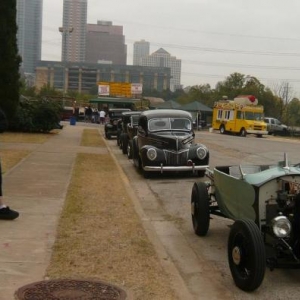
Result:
[[196, 106], [167, 104], [201, 113]]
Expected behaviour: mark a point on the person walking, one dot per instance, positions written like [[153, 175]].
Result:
[[102, 116]]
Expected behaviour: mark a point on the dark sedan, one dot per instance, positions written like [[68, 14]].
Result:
[[165, 143]]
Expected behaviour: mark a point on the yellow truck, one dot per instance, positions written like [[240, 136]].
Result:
[[242, 116]]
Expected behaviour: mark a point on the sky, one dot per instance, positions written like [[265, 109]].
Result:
[[213, 38]]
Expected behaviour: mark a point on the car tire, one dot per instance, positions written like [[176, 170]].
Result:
[[246, 255], [146, 174], [200, 208], [243, 132], [118, 137], [124, 144], [222, 129], [201, 173], [129, 149], [136, 156]]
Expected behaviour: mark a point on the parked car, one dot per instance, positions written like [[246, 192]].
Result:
[[165, 143], [263, 200], [113, 117], [275, 126], [128, 129]]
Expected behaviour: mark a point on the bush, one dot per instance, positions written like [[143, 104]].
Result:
[[3, 121], [36, 116]]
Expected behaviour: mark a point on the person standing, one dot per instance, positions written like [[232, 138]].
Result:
[[102, 116], [5, 212], [88, 114]]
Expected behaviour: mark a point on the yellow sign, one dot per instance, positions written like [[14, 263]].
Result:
[[118, 89]]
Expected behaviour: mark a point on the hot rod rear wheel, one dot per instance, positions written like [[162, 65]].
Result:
[[200, 208], [246, 255]]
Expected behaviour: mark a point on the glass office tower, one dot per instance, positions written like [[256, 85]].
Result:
[[74, 30], [29, 35]]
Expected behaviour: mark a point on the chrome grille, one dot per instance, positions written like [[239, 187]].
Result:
[[176, 158]]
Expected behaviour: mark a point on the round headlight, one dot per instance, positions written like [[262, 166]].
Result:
[[201, 152], [151, 154], [281, 226]]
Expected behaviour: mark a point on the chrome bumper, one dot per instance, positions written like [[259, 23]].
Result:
[[262, 132], [162, 168]]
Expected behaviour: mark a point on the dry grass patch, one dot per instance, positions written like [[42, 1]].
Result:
[[10, 158], [91, 138], [100, 235], [17, 137]]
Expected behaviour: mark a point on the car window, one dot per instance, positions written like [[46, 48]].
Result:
[[181, 123], [159, 124], [169, 123]]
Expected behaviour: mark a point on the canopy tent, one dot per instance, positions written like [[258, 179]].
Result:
[[196, 106], [167, 104], [201, 113]]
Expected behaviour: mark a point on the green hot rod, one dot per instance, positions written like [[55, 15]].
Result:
[[263, 200]]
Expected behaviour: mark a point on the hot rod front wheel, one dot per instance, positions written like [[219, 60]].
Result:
[[246, 255], [200, 208]]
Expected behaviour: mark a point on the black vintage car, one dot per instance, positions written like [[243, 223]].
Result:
[[165, 143], [111, 126], [128, 129]]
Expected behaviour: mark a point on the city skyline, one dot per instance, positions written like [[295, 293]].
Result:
[[213, 39]]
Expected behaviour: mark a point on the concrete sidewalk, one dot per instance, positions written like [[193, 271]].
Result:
[[36, 187]]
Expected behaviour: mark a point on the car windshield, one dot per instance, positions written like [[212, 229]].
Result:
[[135, 120], [115, 114], [254, 116], [157, 124]]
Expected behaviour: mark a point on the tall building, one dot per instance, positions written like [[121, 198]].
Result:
[[74, 30], [161, 58], [140, 49], [105, 42], [29, 35]]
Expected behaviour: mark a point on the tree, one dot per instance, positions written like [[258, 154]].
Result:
[[9, 58], [285, 93], [231, 87], [293, 111]]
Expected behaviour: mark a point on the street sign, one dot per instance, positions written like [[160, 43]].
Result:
[[136, 88], [103, 90]]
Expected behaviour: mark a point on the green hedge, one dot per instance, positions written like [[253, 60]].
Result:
[[36, 116]]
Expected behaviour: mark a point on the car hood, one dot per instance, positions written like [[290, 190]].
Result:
[[172, 140]]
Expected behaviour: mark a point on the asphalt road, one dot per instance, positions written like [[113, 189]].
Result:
[[202, 262]]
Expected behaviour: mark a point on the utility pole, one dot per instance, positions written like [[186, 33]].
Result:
[[65, 31]]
